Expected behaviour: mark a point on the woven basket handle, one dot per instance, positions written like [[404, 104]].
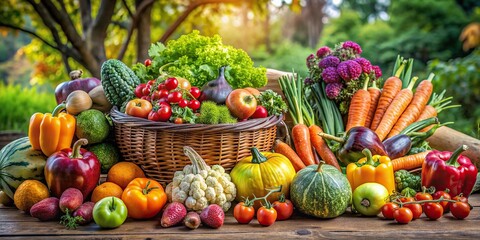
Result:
[[283, 133]]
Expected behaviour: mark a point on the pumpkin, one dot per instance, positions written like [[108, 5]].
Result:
[[255, 174], [321, 191], [77, 102]]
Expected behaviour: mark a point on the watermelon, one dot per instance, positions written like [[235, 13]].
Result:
[[321, 191], [19, 162]]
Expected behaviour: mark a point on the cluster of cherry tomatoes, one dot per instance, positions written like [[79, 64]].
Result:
[[155, 100], [433, 205], [281, 209]]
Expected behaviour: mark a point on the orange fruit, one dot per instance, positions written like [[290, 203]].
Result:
[[106, 189], [123, 173], [28, 193]]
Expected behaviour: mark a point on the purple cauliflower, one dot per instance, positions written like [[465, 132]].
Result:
[[366, 65], [349, 70], [333, 90], [310, 60], [378, 71], [329, 61], [353, 46], [330, 75], [323, 51]]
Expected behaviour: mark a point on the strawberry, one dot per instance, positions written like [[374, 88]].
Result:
[[173, 214], [213, 216]]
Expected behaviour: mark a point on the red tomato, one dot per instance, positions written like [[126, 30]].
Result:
[[243, 213], [195, 91], [171, 83], [146, 90], [147, 62], [433, 210], [138, 108], [161, 86], [460, 198], [174, 97], [423, 196], [260, 112], [266, 216], [388, 209], [178, 120], [407, 199], [460, 210], [156, 95], [445, 195], [151, 82], [139, 90], [163, 113], [416, 210], [284, 209], [183, 103], [403, 215], [194, 104], [144, 198]]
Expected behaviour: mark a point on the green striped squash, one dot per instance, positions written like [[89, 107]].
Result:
[[321, 191], [19, 162]]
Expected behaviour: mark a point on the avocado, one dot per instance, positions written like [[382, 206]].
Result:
[[92, 125], [107, 154]]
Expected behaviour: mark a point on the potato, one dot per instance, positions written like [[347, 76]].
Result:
[[71, 199], [86, 212], [46, 210]]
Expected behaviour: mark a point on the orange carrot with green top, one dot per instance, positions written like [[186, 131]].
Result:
[[322, 148], [420, 99], [409, 162], [359, 106], [287, 151], [375, 93], [395, 110]]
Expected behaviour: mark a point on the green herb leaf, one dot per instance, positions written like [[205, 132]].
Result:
[[273, 102]]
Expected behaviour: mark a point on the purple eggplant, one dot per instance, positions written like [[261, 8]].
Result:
[[76, 83], [352, 145], [398, 145]]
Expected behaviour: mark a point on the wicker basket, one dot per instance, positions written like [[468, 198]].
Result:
[[157, 147]]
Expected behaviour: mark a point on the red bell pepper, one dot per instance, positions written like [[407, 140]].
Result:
[[449, 170]]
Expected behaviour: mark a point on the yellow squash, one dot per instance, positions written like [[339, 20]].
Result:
[[254, 175]]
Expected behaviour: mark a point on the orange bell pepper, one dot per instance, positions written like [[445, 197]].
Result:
[[51, 132], [376, 168], [144, 198]]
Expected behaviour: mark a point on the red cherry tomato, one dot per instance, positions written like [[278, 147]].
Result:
[[195, 91], [460, 198], [423, 196], [151, 82], [183, 103], [266, 216], [284, 208], [174, 97], [139, 90], [147, 62], [171, 83], [388, 209], [163, 113], [243, 213], [194, 104], [156, 95], [403, 215], [445, 195], [460, 210], [178, 120], [161, 86], [416, 210], [433, 210], [163, 93], [407, 199], [146, 90]]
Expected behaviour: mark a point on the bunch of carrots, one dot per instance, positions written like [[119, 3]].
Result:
[[305, 133]]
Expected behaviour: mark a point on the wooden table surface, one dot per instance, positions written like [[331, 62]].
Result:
[[17, 225]]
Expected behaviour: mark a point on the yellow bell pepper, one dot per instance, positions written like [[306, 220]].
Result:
[[377, 169], [51, 132]]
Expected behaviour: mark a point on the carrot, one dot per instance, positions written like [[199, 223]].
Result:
[[303, 146], [374, 97], [321, 147], [391, 87], [287, 151], [435, 106], [416, 106], [409, 162], [395, 110], [359, 106]]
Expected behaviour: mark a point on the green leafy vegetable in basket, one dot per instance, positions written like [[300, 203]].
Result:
[[273, 102], [197, 58]]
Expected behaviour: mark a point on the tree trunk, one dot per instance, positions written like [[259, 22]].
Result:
[[313, 16], [143, 32]]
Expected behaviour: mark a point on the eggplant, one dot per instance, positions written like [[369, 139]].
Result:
[[353, 143], [398, 145], [76, 83], [216, 90]]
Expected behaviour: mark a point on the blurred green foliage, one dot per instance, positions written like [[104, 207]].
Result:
[[18, 104]]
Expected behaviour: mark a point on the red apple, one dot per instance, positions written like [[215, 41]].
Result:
[[241, 103], [261, 112]]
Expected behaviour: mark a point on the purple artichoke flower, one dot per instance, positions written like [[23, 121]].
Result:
[[366, 65], [330, 75], [323, 51], [308, 81], [329, 61], [310, 60], [333, 90], [349, 70], [378, 71], [352, 45]]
